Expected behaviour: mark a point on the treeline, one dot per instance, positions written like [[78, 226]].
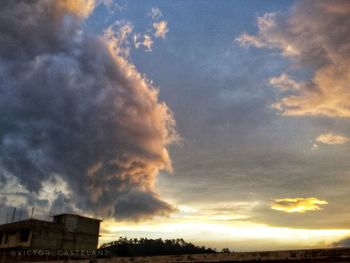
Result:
[[124, 247]]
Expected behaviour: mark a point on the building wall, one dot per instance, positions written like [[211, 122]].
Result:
[[86, 242], [89, 232], [67, 232], [47, 236], [15, 237], [88, 226], [80, 233]]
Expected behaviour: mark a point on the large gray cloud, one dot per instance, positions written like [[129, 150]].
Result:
[[72, 107]]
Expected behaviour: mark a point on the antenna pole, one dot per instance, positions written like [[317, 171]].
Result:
[[13, 215], [31, 216]]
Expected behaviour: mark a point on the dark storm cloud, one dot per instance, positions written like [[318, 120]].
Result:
[[73, 107]]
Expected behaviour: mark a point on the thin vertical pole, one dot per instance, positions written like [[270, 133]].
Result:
[[13, 215]]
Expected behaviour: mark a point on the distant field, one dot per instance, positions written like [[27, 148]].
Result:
[[314, 255], [339, 255]]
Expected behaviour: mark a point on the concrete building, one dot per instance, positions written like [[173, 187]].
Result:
[[67, 232]]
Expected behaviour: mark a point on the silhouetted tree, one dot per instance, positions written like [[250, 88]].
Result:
[[124, 247]]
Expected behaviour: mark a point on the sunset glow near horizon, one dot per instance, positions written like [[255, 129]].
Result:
[[222, 233], [225, 123]]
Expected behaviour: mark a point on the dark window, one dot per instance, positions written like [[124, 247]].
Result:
[[24, 235], [6, 238], [1, 238]]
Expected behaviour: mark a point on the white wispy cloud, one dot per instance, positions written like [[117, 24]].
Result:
[[155, 13], [332, 138], [119, 33], [161, 28], [284, 82], [111, 6], [145, 41]]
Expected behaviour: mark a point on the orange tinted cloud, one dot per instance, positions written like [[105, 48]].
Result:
[[298, 205], [313, 36], [331, 138], [161, 29], [81, 8]]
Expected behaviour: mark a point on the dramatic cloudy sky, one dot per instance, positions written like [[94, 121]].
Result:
[[222, 122]]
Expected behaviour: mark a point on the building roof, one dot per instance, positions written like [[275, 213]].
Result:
[[26, 223], [70, 214], [33, 222]]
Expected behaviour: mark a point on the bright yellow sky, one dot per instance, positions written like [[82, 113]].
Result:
[[218, 232]]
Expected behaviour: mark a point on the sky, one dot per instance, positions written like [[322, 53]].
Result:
[[225, 123]]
